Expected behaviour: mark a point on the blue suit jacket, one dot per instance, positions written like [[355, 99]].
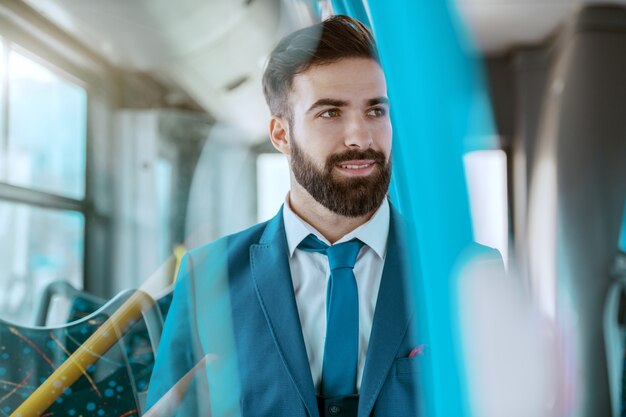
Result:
[[234, 299]]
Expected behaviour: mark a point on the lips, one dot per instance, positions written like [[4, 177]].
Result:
[[356, 167], [360, 164]]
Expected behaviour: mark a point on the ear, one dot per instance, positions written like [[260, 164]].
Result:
[[279, 134]]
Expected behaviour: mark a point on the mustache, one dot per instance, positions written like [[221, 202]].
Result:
[[353, 154]]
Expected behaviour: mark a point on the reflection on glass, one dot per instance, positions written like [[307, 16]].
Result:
[[47, 129], [38, 246]]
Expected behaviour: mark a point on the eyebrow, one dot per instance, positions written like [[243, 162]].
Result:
[[377, 100], [323, 102]]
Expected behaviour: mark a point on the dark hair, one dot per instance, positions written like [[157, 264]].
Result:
[[324, 43]]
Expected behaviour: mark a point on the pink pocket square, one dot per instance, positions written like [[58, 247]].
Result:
[[418, 350]]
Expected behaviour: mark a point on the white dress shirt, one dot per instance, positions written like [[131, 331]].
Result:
[[310, 272]]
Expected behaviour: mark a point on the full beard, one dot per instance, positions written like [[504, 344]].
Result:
[[349, 197]]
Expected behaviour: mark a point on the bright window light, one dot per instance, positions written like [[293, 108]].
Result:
[[47, 127], [2, 121], [487, 186], [39, 246], [272, 184]]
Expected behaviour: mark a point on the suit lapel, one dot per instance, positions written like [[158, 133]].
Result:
[[391, 319], [272, 278]]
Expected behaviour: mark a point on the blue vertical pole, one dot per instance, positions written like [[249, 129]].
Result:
[[432, 84], [339, 7], [352, 8]]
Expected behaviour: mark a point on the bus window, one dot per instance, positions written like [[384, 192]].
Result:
[[43, 120], [487, 187], [46, 129], [272, 183], [39, 245]]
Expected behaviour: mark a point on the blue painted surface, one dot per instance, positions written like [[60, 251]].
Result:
[[439, 108], [352, 8], [339, 7]]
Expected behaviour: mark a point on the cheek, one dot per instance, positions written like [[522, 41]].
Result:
[[319, 143], [313, 151], [383, 136], [320, 156]]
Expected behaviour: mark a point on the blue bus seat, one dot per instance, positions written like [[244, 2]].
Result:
[[87, 303], [164, 301], [29, 355], [139, 342]]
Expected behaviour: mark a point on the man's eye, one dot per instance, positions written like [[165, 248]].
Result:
[[329, 113], [377, 112]]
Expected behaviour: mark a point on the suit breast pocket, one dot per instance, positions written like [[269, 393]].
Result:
[[401, 396], [408, 366]]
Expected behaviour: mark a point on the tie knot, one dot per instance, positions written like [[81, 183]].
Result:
[[340, 255]]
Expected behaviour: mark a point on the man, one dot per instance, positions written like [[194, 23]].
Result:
[[305, 315]]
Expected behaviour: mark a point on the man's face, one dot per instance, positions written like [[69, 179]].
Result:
[[340, 135]]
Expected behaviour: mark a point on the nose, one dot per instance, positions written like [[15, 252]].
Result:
[[358, 134]]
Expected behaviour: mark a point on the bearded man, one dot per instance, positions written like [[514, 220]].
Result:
[[306, 314]]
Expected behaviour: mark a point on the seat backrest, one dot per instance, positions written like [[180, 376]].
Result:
[[63, 289], [140, 341], [164, 300], [29, 355]]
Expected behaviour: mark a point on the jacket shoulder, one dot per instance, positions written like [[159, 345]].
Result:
[[230, 243]]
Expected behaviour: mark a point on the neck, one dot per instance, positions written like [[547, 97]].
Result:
[[331, 225]]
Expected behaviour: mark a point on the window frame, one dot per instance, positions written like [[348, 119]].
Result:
[[15, 39]]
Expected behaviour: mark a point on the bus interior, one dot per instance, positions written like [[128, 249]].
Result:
[[132, 131]]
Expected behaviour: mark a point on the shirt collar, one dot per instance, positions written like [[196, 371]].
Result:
[[373, 233]]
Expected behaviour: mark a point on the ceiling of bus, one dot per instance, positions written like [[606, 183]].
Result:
[[497, 25], [215, 50]]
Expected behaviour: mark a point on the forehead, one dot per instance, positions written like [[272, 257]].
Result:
[[350, 79]]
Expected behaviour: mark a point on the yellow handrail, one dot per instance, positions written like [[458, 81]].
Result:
[[88, 353]]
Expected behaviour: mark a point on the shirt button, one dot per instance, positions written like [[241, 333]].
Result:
[[334, 410]]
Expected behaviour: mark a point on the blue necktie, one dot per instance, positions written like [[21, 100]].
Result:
[[341, 349]]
